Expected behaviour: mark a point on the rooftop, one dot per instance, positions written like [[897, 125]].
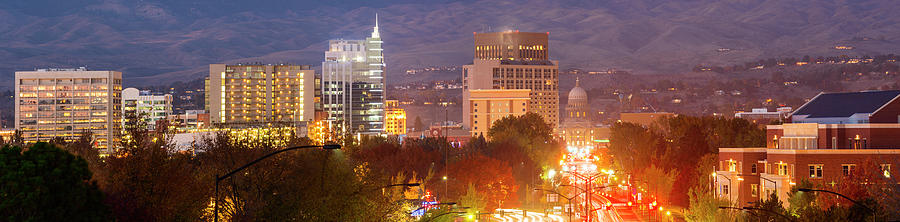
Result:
[[846, 104]]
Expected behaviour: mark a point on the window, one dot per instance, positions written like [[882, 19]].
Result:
[[847, 169], [754, 190], [815, 171], [732, 165], [725, 189], [782, 169], [753, 168], [886, 170]]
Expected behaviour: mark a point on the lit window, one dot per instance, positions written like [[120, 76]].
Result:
[[886, 170], [754, 190], [815, 171], [782, 169], [732, 165]]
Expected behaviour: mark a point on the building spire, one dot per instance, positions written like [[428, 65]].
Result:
[[577, 82], [375, 33]]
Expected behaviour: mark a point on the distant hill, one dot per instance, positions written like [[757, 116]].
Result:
[[169, 40]]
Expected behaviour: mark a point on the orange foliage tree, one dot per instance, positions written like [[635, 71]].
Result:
[[492, 178]]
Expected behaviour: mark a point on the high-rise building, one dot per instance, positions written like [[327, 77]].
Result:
[[66, 102], [252, 94], [353, 84], [394, 118], [514, 60], [143, 102], [489, 105]]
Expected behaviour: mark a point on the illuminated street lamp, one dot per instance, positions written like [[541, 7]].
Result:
[[220, 178]]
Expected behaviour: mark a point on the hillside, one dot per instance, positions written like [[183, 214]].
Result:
[[165, 41]]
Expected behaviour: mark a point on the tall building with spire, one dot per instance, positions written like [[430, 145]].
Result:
[[353, 84]]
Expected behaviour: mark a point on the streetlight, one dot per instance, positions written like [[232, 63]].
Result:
[[759, 209], [841, 195], [220, 178], [568, 200], [446, 191], [587, 192]]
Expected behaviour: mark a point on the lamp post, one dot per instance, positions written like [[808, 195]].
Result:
[[841, 195], [759, 209], [767, 179], [220, 178], [588, 189], [568, 200], [588, 209]]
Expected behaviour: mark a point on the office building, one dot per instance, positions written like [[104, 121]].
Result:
[[353, 85], [394, 118], [189, 120], [246, 95], [142, 103], [489, 105], [66, 102], [514, 60], [824, 142]]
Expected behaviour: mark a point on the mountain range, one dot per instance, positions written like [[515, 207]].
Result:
[[155, 42]]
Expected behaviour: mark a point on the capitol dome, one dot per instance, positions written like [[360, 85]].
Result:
[[577, 95]]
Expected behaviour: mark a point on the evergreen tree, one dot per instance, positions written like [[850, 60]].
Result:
[[46, 183]]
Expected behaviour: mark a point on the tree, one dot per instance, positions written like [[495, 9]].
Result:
[[527, 144], [147, 181], [633, 147], [492, 178], [803, 204], [660, 182], [300, 185], [473, 201], [46, 183], [770, 209], [704, 206]]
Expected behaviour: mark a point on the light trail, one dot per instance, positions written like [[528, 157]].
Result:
[[516, 215]]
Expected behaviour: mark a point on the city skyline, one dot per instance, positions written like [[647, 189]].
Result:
[[560, 111]]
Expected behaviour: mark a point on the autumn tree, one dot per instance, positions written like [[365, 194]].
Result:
[[147, 180], [492, 179]]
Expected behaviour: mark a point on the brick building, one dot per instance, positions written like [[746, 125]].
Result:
[[822, 142]]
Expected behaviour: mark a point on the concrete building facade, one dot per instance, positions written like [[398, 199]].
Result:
[[489, 105], [66, 102], [253, 94], [394, 118], [142, 102], [514, 60]]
